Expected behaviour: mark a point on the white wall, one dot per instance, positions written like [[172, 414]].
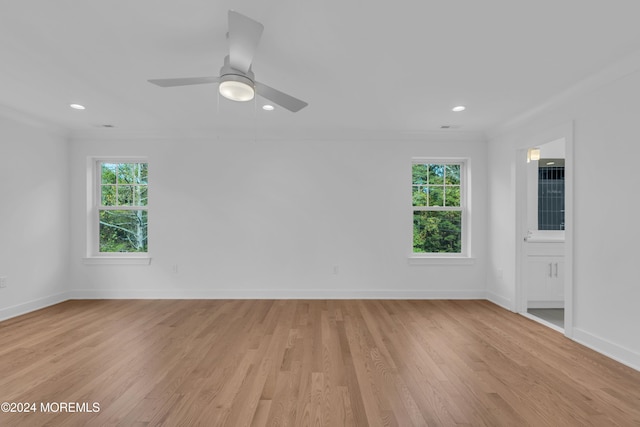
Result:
[[34, 216], [606, 151], [273, 218]]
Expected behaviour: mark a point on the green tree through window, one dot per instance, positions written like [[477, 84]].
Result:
[[437, 207], [123, 207]]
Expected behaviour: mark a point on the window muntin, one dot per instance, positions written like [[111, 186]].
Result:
[[122, 212], [438, 206]]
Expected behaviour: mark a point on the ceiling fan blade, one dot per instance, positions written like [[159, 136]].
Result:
[[185, 81], [244, 36], [282, 99]]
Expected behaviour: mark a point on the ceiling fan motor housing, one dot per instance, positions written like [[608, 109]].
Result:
[[236, 78], [227, 70]]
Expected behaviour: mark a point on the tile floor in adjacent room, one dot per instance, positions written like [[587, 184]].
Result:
[[551, 315]]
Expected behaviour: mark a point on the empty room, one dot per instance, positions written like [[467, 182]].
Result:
[[282, 213]]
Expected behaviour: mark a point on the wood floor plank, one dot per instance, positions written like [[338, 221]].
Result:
[[305, 362]]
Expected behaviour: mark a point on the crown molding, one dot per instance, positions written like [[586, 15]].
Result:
[[17, 116], [618, 70]]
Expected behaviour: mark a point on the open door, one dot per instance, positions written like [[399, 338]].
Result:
[[544, 189]]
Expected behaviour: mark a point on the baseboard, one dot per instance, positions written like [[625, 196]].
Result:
[[29, 306], [273, 294], [503, 302], [618, 353]]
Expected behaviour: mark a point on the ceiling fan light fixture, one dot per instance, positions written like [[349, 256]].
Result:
[[236, 80], [236, 88]]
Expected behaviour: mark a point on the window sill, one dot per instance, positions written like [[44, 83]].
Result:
[[117, 260], [436, 260]]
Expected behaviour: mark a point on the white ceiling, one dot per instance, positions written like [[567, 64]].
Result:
[[374, 66]]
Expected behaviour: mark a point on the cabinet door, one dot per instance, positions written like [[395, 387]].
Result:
[[555, 285], [538, 272], [544, 279]]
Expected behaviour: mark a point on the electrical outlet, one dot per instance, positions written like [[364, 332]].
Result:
[[3, 281], [336, 269]]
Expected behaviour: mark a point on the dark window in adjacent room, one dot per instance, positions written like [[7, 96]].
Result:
[[551, 194]]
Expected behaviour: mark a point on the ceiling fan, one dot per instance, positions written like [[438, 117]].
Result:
[[237, 81]]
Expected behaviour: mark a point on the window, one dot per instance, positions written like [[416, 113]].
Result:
[[439, 211], [551, 194], [119, 220]]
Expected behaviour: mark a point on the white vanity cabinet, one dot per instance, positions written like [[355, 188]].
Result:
[[544, 271]]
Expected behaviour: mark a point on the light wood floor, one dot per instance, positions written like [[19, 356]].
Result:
[[298, 363]]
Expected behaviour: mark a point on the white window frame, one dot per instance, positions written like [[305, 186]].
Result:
[[464, 257], [94, 181]]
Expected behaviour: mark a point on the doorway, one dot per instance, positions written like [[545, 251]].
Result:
[[544, 259]]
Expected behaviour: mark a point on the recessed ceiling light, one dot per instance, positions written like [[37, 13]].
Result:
[[268, 107], [459, 108], [77, 106]]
